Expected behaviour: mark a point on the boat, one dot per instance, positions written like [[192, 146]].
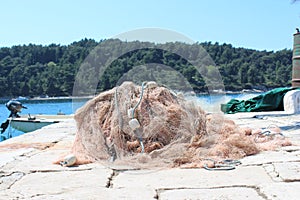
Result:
[[21, 98], [31, 123]]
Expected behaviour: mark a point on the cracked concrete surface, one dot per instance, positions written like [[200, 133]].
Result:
[[211, 193], [27, 171], [7, 180]]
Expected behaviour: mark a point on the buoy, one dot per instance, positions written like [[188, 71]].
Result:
[[134, 124], [151, 84], [129, 113], [68, 161]]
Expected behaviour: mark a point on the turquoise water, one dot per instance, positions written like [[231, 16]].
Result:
[[210, 103]]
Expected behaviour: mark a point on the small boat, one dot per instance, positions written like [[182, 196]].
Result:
[[29, 123], [21, 98]]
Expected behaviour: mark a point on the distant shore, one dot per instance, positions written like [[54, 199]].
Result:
[[62, 97], [45, 98], [25, 99]]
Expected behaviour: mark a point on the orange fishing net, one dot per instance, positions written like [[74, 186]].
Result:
[[153, 126]]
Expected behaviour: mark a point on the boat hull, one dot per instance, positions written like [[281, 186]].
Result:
[[29, 125]]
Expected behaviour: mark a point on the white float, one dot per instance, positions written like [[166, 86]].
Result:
[[291, 102]]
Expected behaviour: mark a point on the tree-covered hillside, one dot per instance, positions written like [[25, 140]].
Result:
[[33, 70]]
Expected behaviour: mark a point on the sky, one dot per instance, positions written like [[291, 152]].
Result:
[[254, 24]]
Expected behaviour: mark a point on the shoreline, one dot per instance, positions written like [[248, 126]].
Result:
[[46, 98], [214, 92]]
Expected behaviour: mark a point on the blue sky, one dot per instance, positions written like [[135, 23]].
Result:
[[256, 24]]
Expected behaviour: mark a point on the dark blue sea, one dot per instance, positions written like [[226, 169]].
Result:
[[209, 103]]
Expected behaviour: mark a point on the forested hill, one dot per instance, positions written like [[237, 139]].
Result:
[[33, 70]]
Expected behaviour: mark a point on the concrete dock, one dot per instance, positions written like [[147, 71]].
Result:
[[27, 170]]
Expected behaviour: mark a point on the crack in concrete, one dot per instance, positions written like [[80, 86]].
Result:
[[271, 172], [13, 177], [37, 195], [275, 174], [58, 170], [266, 163], [260, 193], [113, 175], [257, 190], [156, 196], [32, 151], [292, 150]]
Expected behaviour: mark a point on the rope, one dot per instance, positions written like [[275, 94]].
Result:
[[9, 128], [231, 162], [118, 110], [138, 103], [142, 145], [133, 110], [110, 148], [219, 167], [268, 132], [228, 164]]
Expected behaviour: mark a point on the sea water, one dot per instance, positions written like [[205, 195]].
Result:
[[210, 103], [37, 107]]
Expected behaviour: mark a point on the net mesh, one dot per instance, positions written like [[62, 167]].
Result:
[[173, 131]]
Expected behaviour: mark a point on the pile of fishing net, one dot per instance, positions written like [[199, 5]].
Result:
[[150, 125]]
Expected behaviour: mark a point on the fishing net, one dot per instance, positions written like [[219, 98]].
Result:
[[150, 125]]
